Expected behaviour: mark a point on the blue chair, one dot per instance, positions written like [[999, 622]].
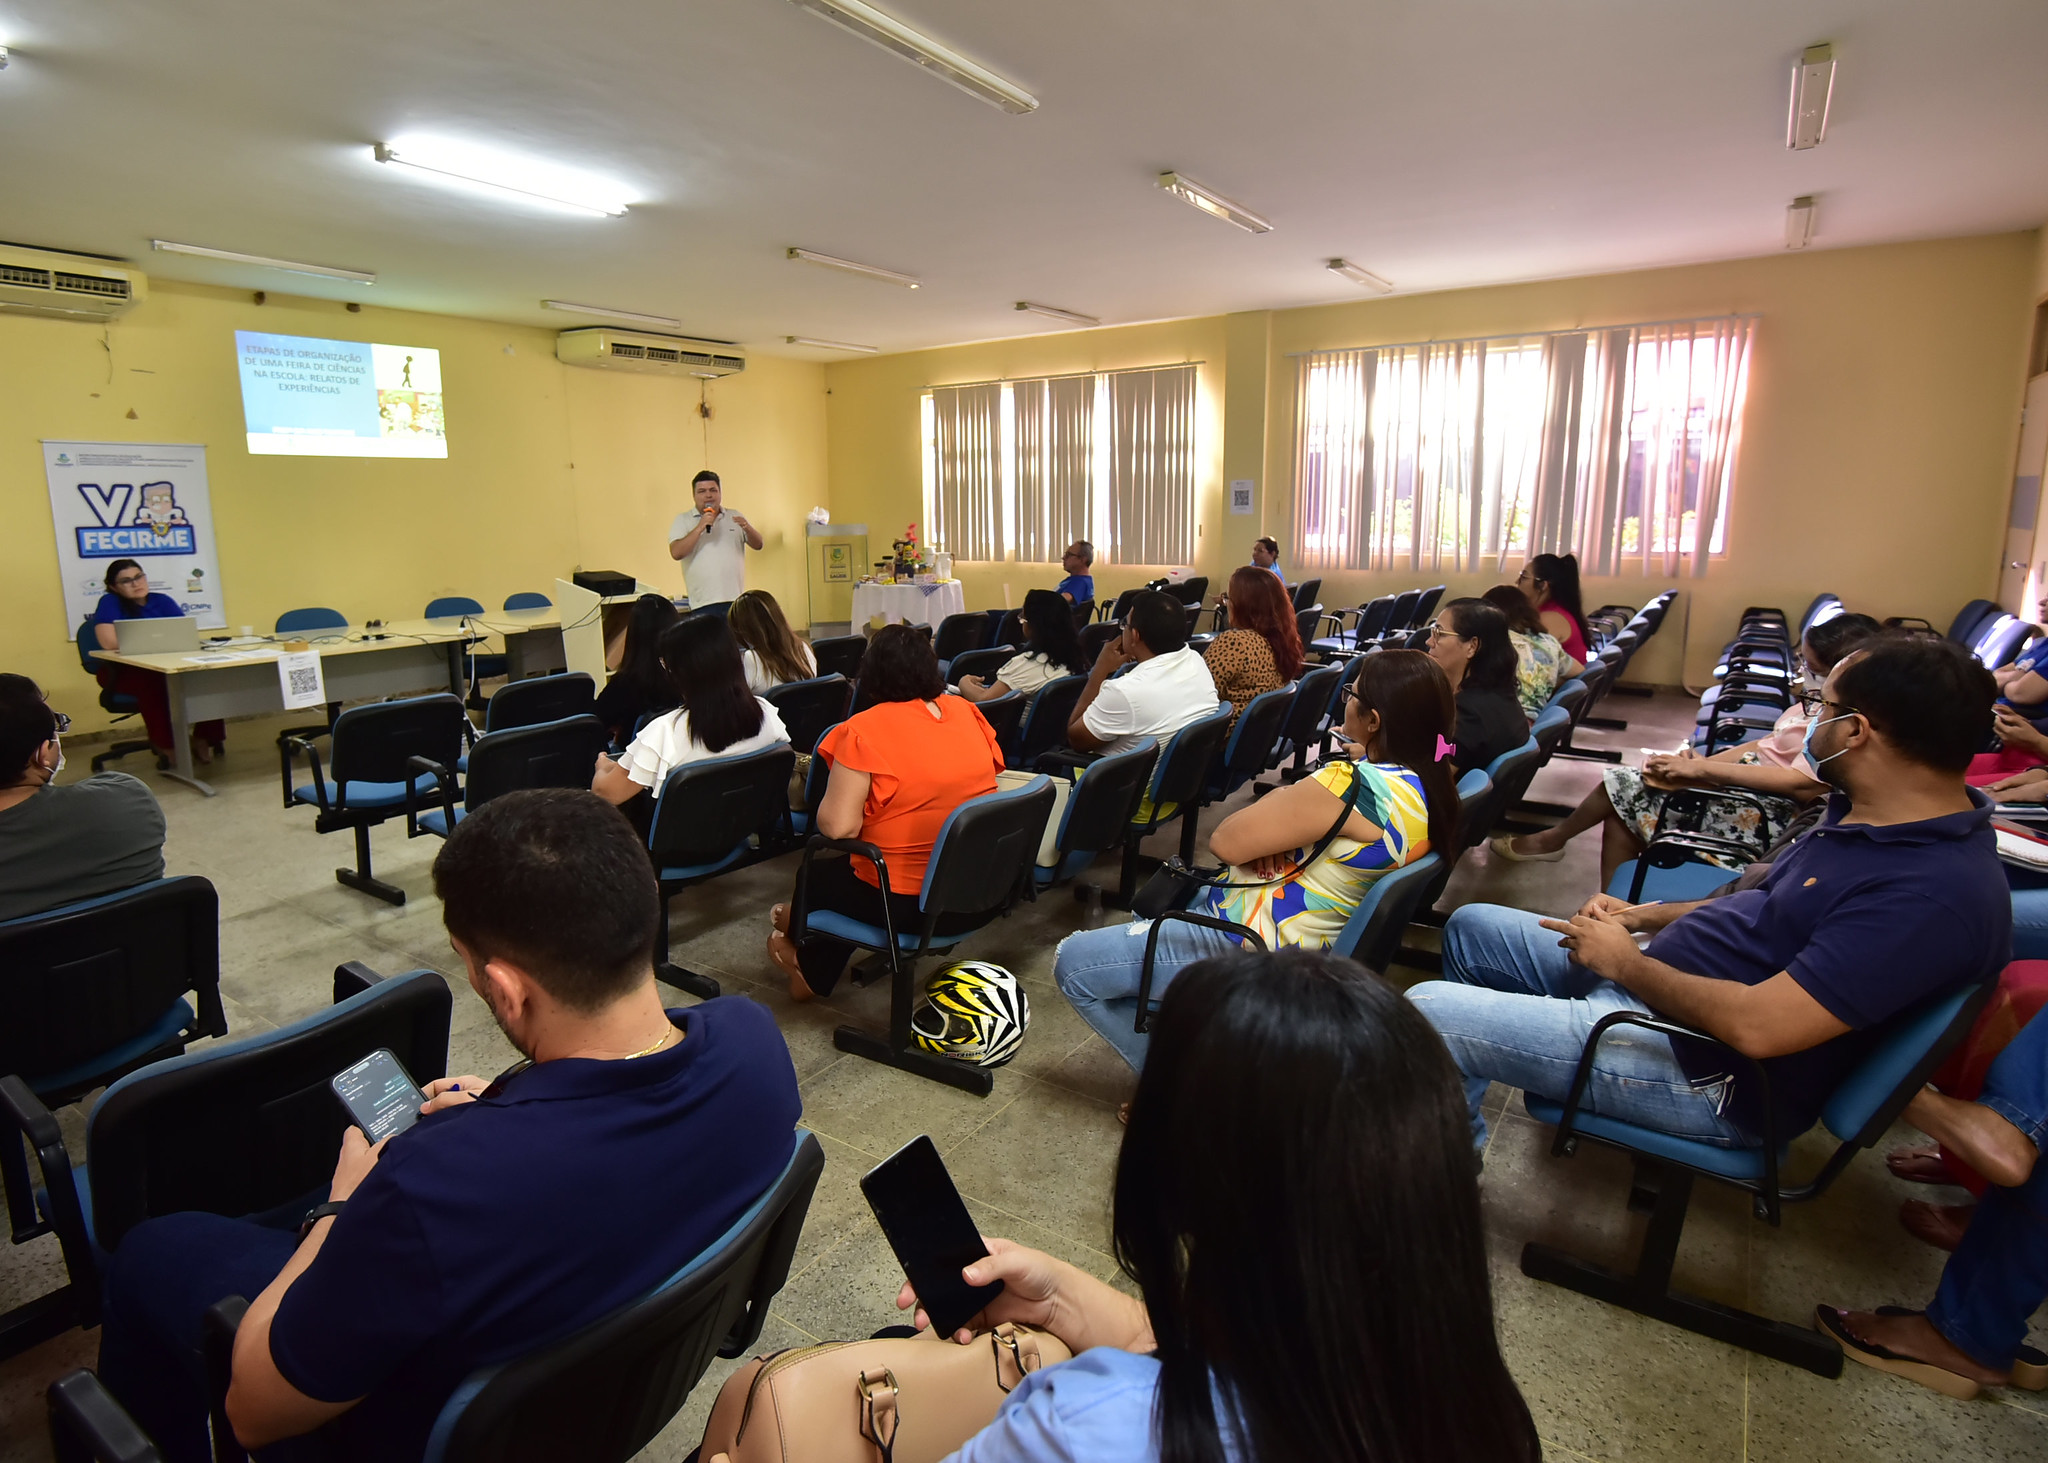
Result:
[[958, 634], [711, 817], [528, 599], [1315, 694], [1253, 739], [313, 617], [554, 754], [810, 708], [1175, 791], [370, 774], [234, 1128], [1671, 869], [980, 865], [1478, 798], [454, 606], [1548, 731], [1099, 810], [540, 699], [598, 1395], [1044, 728], [1905, 1053], [117, 704], [983, 663], [1970, 619]]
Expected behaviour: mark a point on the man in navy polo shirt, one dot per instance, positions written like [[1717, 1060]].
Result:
[[1895, 897], [513, 1212]]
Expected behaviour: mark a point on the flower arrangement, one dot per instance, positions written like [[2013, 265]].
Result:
[[909, 553]]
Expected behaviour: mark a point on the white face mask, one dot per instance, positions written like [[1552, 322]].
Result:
[[60, 760]]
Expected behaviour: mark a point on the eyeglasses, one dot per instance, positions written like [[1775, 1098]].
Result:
[[1811, 702], [1439, 632], [132, 579], [63, 721]]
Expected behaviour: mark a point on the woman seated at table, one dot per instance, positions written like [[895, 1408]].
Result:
[[129, 597], [898, 769], [1469, 642], [1397, 715], [718, 717], [1541, 665], [638, 687], [774, 654], [1261, 651], [1052, 648]]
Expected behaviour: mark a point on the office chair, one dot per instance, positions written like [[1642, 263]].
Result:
[[528, 599], [710, 817], [811, 708], [1099, 810], [553, 754], [369, 775], [118, 704], [1044, 728], [958, 634], [481, 667], [539, 699], [840, 655], [982, 663]]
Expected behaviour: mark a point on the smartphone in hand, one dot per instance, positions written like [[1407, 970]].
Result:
[[379, 1094], [929, 1228]]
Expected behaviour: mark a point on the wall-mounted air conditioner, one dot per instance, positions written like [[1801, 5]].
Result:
[[67, 286], [664, 355]]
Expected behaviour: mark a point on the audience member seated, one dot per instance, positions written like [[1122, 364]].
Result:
[[62, 844], [1301, 1219], [2019, 740], [1896, 897], [1974, 1333], [898, 769], [718, 717], [1052, 648], [638, 686], [129, 597], [514, 1211], [1541, 665], [1079, 562], [2023, 685], [774, 654], [1266, 555], [1627, 803], [1469, 641], [1395, 717], [1261, 651], [1167, 687], [1551, 584]]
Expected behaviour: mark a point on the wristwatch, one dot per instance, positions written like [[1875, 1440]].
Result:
[[319, 1212]]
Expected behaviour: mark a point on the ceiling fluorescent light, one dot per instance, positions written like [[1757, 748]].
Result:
[[528, 181], [1799, 222], [603, 314], [1813, 86], [1054, 312], [892, 34], [872, 271], [831, 345], [264, 261], [1213, 203], [1359, 275]]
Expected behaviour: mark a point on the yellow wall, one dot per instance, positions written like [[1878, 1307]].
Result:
[[549, 466], [1877, 443]]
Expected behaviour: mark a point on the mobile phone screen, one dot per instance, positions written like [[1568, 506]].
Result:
[[931, 1232], [379, 1095]]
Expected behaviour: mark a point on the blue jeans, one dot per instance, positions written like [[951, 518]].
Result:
[[1514, 1008], [1098, 971], [2029, 922], [1999, 1273]]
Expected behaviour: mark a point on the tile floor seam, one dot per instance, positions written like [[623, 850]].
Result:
[[1038, 1224], [775, 1315]]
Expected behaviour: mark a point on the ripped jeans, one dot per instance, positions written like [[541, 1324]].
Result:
[[1514, 1008]]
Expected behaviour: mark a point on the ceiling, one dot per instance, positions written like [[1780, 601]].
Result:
[[1440, 144]]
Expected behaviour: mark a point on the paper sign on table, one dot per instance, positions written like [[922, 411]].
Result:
[[298, 674]]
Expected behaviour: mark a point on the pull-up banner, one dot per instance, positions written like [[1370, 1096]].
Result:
[[145, 501]]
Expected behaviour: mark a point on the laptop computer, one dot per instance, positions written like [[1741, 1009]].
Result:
[[162, 635]]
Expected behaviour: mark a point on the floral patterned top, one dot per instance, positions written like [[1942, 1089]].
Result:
[[1241, 663], [1539, 662]]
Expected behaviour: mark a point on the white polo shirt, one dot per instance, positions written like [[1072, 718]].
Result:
[[715, 571], [1155, 698]]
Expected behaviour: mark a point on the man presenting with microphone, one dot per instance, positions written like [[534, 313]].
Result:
[[712, 545]]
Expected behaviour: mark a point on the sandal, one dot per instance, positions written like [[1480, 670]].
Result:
[[782, 950], [1922, 1165], [2029, 1364], [1503, 847], [1833, 1322]]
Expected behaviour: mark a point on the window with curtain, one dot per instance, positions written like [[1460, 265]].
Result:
[[1020, 469], [1616, 444]]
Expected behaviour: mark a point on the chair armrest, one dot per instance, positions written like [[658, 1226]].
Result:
[[63, 1214], [445, 781], [87, 1425], [217, 1330], [800, 900], [26, 1117], [352, 978], [301, 744], [1143, 1021]]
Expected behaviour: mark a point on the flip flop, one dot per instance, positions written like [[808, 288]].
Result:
[[1503, 848], [2029, 1364], [1829, 1320], [782, 950], [1919, 1165]]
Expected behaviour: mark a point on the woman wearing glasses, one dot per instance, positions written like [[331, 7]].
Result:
[[129, 597], [1628, 802], [1469, 642]]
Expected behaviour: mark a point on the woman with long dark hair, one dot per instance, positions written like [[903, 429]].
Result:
[[1552, 583], [774, 655], [1296, 1202], [638, 686], [129, 597], [1052, 648], [1469, 642], [1397, 719], [1541, 665], [717, 716], [1261, 651]]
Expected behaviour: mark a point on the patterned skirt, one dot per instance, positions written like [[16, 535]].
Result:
[[1640, 807]]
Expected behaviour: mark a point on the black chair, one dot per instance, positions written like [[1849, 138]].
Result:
[[1117, 608], [811, 708], [712, 816], [1099, 810], [1401, 615], [540, 698], [1307, 621], [1425, 607], [982, 663], [1305, 593], [1175, 791], [1315, 702], [1249, 749], [1005, 715], [1970, 619], [1098, 635], [980, 865], [1084, 611], [1045, 722], [840, 655], [117, 704], [554, 754], [1009, 629], [234, 1128], [958, 634], [370, 774]]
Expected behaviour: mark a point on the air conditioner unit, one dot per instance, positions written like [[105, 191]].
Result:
[[664, 355], [67, 286]]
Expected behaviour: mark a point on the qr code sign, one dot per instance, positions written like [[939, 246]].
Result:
[[305, 680]]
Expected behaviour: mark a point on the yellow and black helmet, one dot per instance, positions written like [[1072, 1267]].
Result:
[[976, 1012]]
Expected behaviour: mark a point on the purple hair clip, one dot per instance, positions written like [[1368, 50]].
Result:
[[1445, 749]]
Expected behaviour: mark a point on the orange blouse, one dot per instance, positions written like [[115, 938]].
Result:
[[922, 764]]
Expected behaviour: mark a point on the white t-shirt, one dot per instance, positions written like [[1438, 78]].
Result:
[[758, 677], [666, 743], [715, 571], [1155, 698], [1029, 673]]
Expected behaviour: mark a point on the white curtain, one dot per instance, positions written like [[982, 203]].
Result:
[[1055, 427], [1152, 465], [967, 471]]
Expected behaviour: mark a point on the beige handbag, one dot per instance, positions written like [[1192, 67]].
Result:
[[1062, 789], [909, 1399]]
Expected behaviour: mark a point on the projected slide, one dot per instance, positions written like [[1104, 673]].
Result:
[[303, 397]]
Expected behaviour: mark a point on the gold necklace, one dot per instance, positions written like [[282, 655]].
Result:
[[648, 1051]]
